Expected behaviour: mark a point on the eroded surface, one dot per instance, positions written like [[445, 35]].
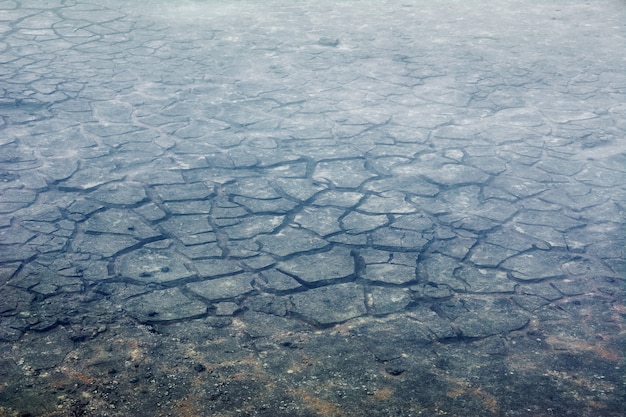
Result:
[[312, 208]]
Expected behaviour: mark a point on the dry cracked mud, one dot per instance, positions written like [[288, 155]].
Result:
[[313, 208]]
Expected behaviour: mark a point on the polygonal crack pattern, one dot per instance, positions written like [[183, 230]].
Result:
[[315, 167]]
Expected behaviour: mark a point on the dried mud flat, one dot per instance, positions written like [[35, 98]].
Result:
[[312, 208]]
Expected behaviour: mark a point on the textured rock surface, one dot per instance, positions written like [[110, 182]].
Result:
[[312, 208]]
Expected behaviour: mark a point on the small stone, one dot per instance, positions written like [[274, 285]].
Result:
[[198, 367]]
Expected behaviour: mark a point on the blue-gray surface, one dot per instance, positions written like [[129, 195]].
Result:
[[324, 204]]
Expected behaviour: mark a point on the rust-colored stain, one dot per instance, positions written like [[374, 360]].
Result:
[[585, 346], [135, 351], [345, 329], [79, 376], [318, 405], [620, 308], [488, 400], [187, 407], [593, 384], [383, 394], [246, 376]]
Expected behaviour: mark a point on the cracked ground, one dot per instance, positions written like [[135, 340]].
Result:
[[312, 208]]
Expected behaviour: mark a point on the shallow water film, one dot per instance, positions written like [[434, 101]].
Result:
[[312, 208]]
